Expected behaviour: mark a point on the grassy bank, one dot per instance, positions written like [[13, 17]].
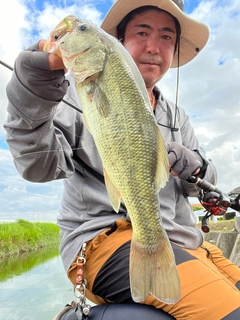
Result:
[[22, 236], [221, 226]]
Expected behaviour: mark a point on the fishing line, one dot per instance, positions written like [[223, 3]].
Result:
[[177, 87], [65, 101], [30, 194], [171, 127], [5, 164], [49, 151]]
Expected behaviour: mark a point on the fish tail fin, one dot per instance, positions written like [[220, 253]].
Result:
[[154, 272]]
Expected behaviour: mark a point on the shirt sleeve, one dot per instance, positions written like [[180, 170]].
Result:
[[42, 151]]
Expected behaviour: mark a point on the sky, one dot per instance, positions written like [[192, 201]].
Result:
[[209, 91]]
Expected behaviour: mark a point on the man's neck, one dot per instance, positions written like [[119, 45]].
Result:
[[152, 98]]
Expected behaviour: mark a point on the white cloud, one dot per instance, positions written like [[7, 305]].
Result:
[[31, 201], [53, 15], [12, 21], [26, 26], [209, 89]]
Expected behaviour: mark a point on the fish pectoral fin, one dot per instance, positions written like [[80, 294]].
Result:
[[101, 100], [113, 193], [154, 273]]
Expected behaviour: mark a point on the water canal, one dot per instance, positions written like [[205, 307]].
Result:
[[33, 286]]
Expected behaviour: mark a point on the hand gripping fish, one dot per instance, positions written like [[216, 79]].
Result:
[[118, 114]]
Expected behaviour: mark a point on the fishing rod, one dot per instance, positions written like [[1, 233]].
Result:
[[214, 201], [63, 100]]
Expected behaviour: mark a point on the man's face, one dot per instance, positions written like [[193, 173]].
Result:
[[150, 39]]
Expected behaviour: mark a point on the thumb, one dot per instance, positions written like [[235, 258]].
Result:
[[55, 62]]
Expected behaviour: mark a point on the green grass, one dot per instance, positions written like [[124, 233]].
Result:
[[221, 225], [22, 236], [196, 208]]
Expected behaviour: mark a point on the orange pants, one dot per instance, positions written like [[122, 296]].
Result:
[[207, 279]]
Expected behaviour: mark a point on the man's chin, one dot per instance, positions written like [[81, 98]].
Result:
[[150, 76], [150, 81]]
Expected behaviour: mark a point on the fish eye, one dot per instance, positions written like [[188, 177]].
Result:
[[55, 37], [82, 27]]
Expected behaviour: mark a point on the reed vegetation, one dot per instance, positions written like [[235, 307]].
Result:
[[22, 236]]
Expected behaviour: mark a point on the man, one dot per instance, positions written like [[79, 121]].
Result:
[[50, 141]]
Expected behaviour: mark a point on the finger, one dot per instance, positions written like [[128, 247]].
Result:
[[196, 172], [41, 44], [173, 173], [172, 158], [55, 62]]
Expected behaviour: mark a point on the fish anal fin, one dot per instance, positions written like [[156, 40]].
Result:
[[154, 273], [113, 193]]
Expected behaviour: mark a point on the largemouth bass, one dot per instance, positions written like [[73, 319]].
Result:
[[118, 114]]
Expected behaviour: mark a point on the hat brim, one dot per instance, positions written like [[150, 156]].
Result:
[[194, 34]]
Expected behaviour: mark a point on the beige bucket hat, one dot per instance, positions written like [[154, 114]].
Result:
[[194, 34]]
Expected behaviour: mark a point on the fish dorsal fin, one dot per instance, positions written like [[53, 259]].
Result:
[[113, 193]]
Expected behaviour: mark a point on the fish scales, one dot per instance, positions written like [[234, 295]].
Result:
[[118, 114]]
